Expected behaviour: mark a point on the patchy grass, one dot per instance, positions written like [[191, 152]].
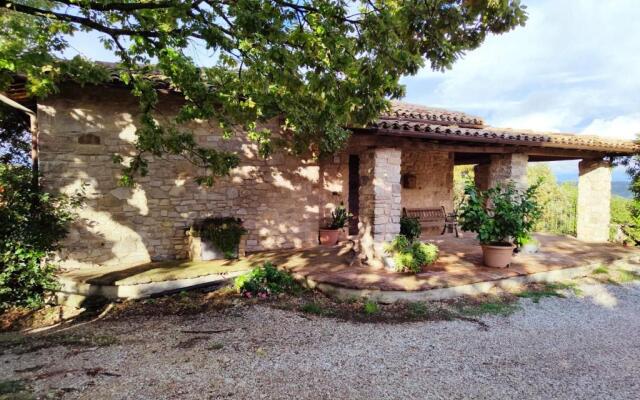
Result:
[[503, 305], [314, 308], [537, 291], [15, 390], [615, 276], [21, 344], [626, 276], [600, 270], [417, 309]]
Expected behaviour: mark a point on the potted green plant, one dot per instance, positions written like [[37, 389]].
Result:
[[339, 217], [502, 217]]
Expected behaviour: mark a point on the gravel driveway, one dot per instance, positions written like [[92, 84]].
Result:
[[587, 347]]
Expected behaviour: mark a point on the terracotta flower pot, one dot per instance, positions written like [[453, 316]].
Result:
[[497, 256], [329, 237]]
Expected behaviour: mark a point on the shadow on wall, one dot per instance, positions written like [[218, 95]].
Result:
[[277, 198]]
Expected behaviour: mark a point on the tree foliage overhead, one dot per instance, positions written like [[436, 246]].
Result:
[[322, 64]]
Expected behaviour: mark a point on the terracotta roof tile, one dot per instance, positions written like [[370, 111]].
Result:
[[434, 123], [416, 112]]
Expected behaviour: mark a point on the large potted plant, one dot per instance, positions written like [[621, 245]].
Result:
[[503, 217], [331, 233]]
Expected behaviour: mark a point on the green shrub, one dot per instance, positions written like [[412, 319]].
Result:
[[500, 214], [223, 232], [370, 307], [410, 228], [265, 281], [411, 256], [32, 224]]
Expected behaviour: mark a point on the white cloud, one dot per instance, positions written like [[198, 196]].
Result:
[[623, 127], [572, 65]]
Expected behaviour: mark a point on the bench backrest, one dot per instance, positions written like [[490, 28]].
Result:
[[428, 217]]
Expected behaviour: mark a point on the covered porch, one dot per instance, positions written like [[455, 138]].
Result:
[[406, 160]]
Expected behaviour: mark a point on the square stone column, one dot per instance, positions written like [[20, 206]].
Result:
[[594, 199], [481, 176], [380, 206], [501, 169], [508, 167]]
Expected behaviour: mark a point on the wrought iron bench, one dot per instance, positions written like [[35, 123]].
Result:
[[432, 218]]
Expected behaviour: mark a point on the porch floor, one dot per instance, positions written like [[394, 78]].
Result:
[[460, 263], [331, 269]]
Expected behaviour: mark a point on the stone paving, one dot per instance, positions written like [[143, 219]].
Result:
[[460, 263]]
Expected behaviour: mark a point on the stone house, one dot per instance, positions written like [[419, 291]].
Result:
[[283, 200]]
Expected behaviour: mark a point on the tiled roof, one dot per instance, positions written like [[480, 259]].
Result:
[[433, 123], [414, 112]]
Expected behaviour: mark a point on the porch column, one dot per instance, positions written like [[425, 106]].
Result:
[[481, 176], [502, 168], [379, 201], [508, 167], [594, 198]]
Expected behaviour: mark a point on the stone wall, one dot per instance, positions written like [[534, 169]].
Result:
[[81, 129], [433, 171], [282, 200], [594, 199]]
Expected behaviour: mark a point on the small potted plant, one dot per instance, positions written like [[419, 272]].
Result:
[[339, 217], [529, 245], [503, 217]]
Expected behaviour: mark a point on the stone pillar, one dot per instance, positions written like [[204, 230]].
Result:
[[379, 201], [504, 168], [594, 198], [481, 176]]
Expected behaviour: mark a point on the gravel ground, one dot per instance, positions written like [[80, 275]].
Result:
[[586, 347]]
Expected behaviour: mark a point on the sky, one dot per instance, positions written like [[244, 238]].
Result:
[[572, 68]]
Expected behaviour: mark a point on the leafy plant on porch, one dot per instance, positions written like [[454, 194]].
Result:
[[411, 256], [410, 228], [223, 232], [265, 281], [501, 214]]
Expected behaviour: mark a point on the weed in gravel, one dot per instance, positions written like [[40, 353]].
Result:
[[417, 309], [215, 346], [370, 307]]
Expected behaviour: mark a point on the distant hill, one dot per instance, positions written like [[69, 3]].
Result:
[[621, 188], [618, 188]]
